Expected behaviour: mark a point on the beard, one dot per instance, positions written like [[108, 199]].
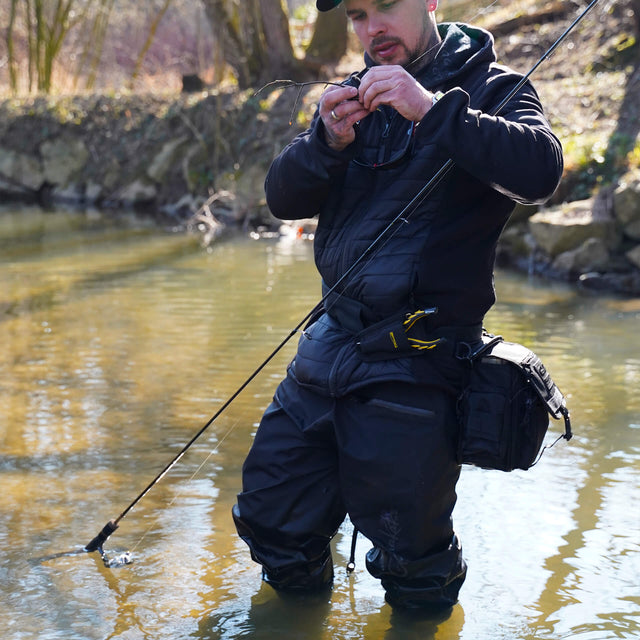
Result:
[[424, 53], [420, 54], [427, 47]]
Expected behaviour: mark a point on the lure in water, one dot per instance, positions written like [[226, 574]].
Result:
[[116, 561]]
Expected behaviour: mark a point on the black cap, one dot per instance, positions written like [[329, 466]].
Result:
[[327, 5]]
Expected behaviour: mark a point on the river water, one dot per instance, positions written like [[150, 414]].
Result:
[[120, 341]]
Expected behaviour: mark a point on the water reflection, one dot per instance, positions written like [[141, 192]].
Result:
[[119, 342]]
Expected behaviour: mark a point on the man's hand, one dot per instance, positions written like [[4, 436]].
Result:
[[341, 107], [393, 86], [340, 110]]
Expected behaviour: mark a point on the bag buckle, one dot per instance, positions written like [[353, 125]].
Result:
[[464, 350]]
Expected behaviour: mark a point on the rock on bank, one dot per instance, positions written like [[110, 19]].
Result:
[[593, 242]]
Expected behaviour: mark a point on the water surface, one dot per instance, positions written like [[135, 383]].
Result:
[[119, 341]]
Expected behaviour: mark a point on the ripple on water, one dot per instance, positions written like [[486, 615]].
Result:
[[117, 351]]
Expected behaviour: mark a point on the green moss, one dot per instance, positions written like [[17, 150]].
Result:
[[633, 157], [622, 50], [593, 160]]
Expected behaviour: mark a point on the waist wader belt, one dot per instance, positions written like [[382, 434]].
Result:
[[410, 333]]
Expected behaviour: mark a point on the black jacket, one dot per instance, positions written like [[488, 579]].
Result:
[[442, 252]]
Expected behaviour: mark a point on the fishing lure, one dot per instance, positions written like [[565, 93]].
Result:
[[120, 560]]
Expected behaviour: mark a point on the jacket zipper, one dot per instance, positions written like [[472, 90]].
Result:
[[382, 153]]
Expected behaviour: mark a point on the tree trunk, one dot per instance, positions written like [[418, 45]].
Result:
[[13, 76], [277, 40], [236, 36], [254, 40], [329, 41]]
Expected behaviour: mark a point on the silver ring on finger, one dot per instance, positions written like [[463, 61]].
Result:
[[333, 115]]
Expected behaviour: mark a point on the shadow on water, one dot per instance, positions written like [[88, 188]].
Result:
[[270, 615], [70, 242]]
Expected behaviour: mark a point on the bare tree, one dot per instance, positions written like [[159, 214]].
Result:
[[47, 24], [255, 40], [11, 58], [240, 33], [149, 40], [89, 59]]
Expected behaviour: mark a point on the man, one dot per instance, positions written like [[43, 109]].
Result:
[[365, 421]]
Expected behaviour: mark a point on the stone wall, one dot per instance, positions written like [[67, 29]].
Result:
[[164, 156]]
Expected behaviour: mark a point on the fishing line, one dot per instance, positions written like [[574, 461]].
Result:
[[97, 542], [190, 479]]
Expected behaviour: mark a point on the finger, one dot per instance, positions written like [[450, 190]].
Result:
[[375, 74], [350, 110], [333, 96], [341, 132], [379, 92], [380, 80]]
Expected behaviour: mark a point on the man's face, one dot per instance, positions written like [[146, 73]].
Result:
[[393, 31]]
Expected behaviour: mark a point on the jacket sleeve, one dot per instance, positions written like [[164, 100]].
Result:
[[298, 181], [515, 152]]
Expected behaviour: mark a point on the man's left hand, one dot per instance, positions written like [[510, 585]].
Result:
[[393, 86]]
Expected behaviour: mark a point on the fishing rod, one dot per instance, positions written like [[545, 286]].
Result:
[[98, 541]]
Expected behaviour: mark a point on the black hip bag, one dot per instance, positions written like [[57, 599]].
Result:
[[504, 409]]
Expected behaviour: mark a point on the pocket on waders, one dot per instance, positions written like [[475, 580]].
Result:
[[408, 410]]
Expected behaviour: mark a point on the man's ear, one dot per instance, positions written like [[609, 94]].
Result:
[[433, 5]]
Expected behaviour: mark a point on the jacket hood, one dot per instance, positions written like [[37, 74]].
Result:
[[463, 47]]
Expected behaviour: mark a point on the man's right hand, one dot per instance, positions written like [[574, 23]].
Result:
[[340, 110]]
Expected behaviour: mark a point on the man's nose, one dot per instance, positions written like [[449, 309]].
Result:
[[376, 26]]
